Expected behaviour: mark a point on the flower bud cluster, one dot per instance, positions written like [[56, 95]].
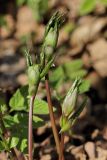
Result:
[[38, 71]]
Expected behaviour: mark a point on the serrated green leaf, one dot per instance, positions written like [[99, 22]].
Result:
[[19, 101], [87, 6], [84, 87]]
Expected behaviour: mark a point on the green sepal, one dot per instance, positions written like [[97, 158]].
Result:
[[56, 18], [47, 67], [65, 124], [28, 58], [76, 114]]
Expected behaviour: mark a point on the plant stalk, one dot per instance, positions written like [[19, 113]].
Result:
[[52, 118], [62, 135], [30, 130]]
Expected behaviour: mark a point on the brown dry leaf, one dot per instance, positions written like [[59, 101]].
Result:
[[46, 157], [90, 150], [73, 7], [3, 156], [22, 79], [102, 153], [105, 133], [88, 30], [98, 52], [94, 79], [76, 150], [9, 28], [25, 21], [86, 60]]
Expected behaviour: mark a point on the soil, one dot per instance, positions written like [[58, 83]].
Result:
[[87, 41]]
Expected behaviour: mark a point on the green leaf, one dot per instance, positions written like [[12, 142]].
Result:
[[104, 2], [18, 126], [73, 66], [57, 74], [13, 141], [39, 8], [84, 87], [80, 73], [74, 69], [2, 146], [23, 145], [20, 2], [87, 6], [40, 107], [3, 22], [19, 102], [3, 107], [69, 27]]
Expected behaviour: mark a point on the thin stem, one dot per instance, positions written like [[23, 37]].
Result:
[[62, 135], [52, 118], [30, 133], [62, 145]]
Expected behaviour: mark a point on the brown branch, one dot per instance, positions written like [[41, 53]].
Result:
[[52, 118]]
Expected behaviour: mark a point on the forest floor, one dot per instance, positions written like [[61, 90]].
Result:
[[81, 37]]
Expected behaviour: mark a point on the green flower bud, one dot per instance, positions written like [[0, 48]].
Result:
[[33, 78], [67, 122], [52, 36], [28, 58], [71, 98]]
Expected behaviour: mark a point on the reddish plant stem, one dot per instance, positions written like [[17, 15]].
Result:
[[30, 132], [62, 135], [52, 118], [62, 145]]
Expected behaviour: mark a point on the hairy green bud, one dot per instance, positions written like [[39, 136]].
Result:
[[51, 37], [67, 122], [71, 98], [33, 78]]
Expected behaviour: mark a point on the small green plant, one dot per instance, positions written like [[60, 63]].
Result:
[[88, 6], [24, 105]]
